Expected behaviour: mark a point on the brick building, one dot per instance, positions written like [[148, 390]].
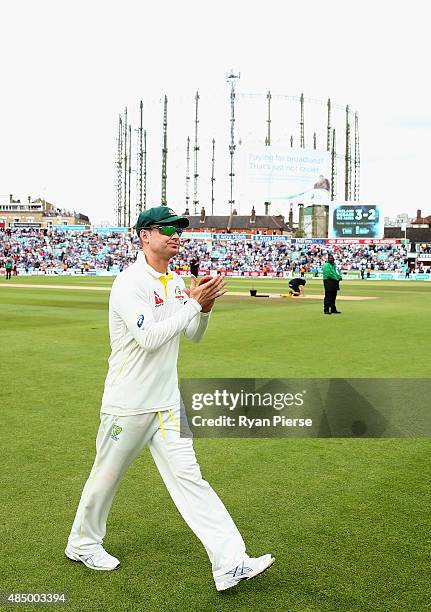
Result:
[[234, 223], [37, 213]]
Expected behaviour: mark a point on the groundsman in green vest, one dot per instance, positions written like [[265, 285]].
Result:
[[331, 282]]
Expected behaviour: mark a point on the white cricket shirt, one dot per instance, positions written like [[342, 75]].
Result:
[[147, 313]]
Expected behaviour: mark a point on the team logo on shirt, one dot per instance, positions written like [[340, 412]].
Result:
[[140, 321], [179, 293], [158, 299]]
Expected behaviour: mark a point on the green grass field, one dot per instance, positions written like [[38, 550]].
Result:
[[347, 519]]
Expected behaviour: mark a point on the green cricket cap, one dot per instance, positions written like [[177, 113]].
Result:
[[160, 215]]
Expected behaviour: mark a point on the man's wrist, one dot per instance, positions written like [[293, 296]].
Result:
[[195, 304]]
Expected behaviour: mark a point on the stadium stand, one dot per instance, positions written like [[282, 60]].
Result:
[[50, 251]]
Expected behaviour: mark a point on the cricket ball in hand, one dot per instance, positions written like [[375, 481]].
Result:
[[205, 279], [202, 281]]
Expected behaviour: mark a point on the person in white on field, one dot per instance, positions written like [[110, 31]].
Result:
[[148, 310]]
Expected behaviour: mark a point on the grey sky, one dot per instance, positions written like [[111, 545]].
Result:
[[69, 68]]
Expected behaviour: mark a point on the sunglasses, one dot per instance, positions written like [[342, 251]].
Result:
[[168, 230]]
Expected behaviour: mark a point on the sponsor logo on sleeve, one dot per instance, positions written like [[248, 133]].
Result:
[[140, 321]]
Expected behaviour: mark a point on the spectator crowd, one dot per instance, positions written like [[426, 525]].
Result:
[[52, 251], [283, 257]]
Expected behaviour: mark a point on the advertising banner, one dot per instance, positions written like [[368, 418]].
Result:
[[364, 241], [398, 276], [196, 235], [110, 230], [231, 236], [70, 228], [308, 240], [270, 238], [29, 224], [279, 172]]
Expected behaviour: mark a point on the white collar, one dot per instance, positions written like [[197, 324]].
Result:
[[141, 260]]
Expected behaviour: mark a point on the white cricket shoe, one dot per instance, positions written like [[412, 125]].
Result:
[[248, 568], [98, 560]]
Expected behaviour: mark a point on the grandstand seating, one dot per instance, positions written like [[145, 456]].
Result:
[[36, 250]]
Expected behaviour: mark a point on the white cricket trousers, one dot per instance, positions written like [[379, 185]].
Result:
[[119, 441]]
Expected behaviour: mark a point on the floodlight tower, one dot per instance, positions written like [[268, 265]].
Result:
[[119, 169], [314, 141], [145, 171], [195, 157], [232, 80], [328, 127], [333, 167], [165, 151], [357, 160], [130, 174], [348, 161], [188, 175], [268, 121], [302, 123], [123, 219], [212, 179], [140, 159]]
